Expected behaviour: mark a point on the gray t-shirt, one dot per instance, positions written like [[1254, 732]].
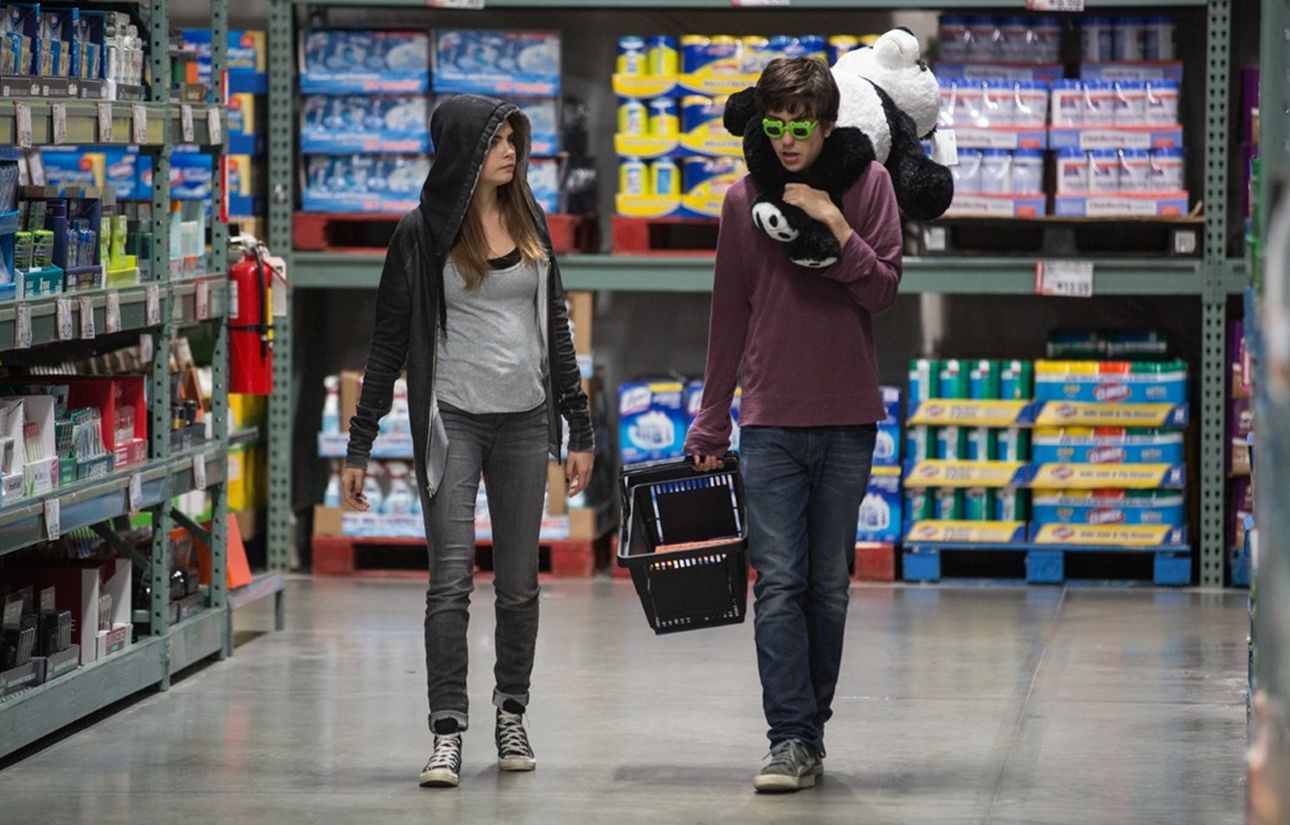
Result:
[[492, 359]]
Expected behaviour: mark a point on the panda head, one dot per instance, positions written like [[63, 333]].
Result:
[[894, 63]]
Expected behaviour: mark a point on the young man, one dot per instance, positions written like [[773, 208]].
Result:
[[801, 341]]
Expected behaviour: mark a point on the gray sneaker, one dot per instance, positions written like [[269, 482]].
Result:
[[793, 765]]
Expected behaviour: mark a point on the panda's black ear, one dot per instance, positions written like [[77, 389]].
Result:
[[741, 107]]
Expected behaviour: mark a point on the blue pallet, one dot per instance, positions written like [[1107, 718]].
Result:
[[1046, 563]]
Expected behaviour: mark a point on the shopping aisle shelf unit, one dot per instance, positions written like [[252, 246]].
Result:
[[158, 308], [1209, 278]]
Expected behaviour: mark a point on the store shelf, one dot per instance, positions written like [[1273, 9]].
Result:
[[28, 716], [262, 586], [22, 524], [196, 638], [244, 438], [164, 123], [44, 314], [213, 291], [963, 276]]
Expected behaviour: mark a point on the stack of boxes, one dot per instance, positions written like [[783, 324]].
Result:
[[967, 380], [881, 510], [1114, 131], [364, 129], [676, 158], [70, 52], [522, 67], [1240, 430]]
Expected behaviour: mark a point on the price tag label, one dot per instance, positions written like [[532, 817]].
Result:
[[152, 306], [105, 121], [1072, 6], [136, 493], [139, 122], [945, 147], [199, 472], [1069, 279], [145, 348], [36, 168], [186, 122], [22, 327], [58, 111], [112, 313], [86, 307], [53, 519], [215, 125], [63, 316], [203, 308], [22, 118]]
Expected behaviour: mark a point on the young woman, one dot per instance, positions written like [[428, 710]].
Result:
[[471, 302]]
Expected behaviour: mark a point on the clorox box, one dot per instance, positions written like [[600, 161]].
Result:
[[1107, 445], [1099, 507], [1112, 382], [652, 420]]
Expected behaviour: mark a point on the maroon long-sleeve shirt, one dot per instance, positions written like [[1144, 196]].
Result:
[[800, 340]]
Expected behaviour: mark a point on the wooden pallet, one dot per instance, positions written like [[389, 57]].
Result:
[[662, 236], [369, 232], [1058, 237], [388, 556], [873, 563], [1047, 564]]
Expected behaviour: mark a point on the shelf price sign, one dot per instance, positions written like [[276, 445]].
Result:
[[86, 307], [215, 125], [22, 123], [112, 313], [136, 493], [139, 122], [63, 318], [202, 310], [105, 121], [152, 306], [53, 519], [199, 472], [22, 327], [58, 111], [186, 122], [1067, 279]]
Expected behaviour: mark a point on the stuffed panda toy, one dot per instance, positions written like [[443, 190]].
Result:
[[889, 103]]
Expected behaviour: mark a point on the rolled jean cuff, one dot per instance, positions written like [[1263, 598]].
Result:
[[463, 721], [499, 698]]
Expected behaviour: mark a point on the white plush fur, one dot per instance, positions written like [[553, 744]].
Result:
[[892, 64]]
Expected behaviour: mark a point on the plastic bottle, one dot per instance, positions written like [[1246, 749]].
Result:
[[331, 498], [399, 501], [331, 406]]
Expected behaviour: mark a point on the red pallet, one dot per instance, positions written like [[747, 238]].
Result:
[[371, 232], [337, 556], [663, 236]]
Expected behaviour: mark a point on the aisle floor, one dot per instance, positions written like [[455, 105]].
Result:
[[956, 705]]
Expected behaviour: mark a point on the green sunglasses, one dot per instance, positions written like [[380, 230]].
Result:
[[799, 129]]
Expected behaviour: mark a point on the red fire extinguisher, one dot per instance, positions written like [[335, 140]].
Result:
[[250, 329]]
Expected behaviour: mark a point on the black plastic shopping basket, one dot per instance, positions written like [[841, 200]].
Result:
[[684, 538]]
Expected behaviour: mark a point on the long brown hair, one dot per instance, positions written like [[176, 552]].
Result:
[[470, 251]]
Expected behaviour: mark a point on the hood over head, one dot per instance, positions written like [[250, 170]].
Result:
[[462, 128]]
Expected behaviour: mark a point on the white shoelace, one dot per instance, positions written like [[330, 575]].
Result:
[[512, 740], [447, 752]]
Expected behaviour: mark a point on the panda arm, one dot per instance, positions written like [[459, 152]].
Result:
[[870, 265], [727, 329]]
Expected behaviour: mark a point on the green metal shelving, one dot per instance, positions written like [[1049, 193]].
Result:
[[1211, 279], [31, 714]]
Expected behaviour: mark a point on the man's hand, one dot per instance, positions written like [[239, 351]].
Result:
[[351, 488], [707, 463], [577, 469], [817, 204]]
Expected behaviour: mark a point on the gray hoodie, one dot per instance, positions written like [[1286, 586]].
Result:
[[411, 311]]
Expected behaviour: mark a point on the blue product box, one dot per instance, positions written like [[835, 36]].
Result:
[[1107, 447], [389, 184], [544, 123], [19, 28], [881, 511], [694, 403], [72, 166], [191, 176], [346, 61], [123, 171], [345, 124], [497, 62], [54, 42], [1128, 507], [1114, 388], [887, 448], [544, 180], [247, 58], [652, 420]]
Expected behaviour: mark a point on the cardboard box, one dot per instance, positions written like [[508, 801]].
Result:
[[236, 479], [557, 489], [78, 586], [12, 451], [582, 524], [581, 315], [328, 521], [248, 524], [40, 473], [351, 386], [111, 395]]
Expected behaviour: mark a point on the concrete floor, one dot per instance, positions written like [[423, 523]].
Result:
[[956, 705]]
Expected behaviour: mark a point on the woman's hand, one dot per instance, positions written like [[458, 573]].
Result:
[[351, 488], [577, 470]]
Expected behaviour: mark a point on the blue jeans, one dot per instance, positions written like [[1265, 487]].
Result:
[[803, 487], [510, 451]]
